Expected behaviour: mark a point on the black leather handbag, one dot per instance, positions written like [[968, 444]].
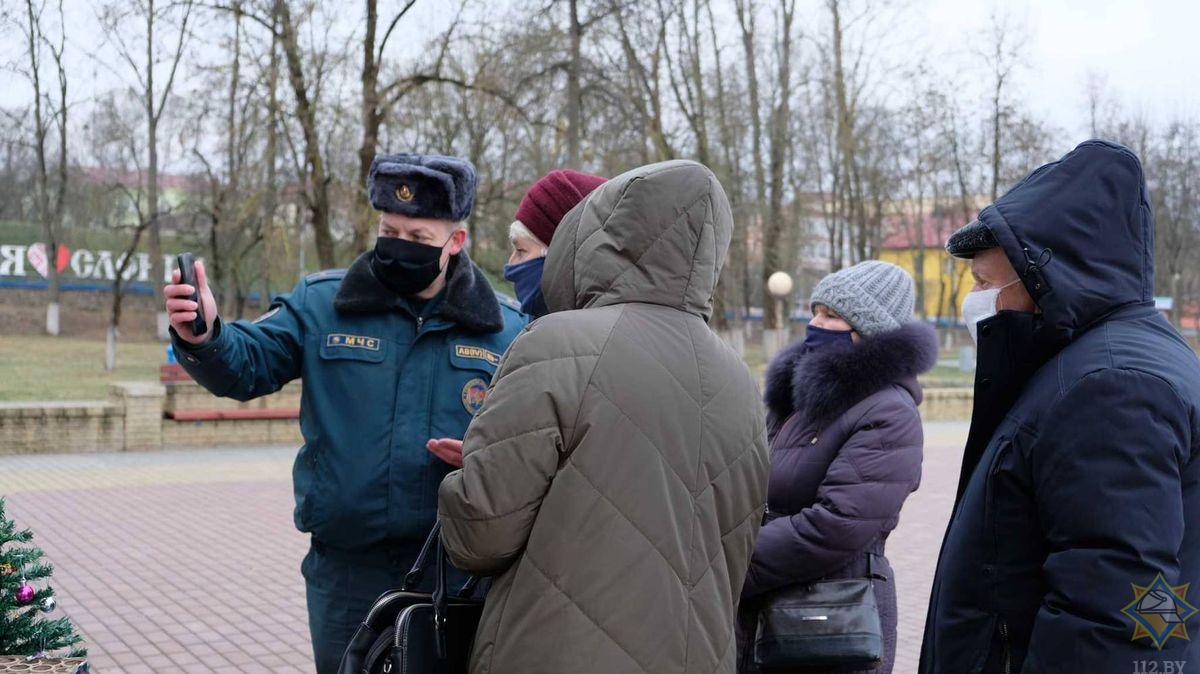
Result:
[[830, 625], [408, 632]]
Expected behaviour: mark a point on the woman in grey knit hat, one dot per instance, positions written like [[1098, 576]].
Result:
[[846, 443]]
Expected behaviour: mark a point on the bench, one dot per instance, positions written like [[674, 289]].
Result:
[[221, 415]]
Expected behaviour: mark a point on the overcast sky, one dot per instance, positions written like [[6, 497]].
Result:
[[1146, 52]]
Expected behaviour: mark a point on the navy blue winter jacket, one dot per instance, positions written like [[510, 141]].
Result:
[[1078, 483]]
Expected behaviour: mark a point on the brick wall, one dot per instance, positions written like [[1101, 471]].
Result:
[[75, 427], [133, 419], [227, 432], [143, 405], [188, 395], [947, 404]]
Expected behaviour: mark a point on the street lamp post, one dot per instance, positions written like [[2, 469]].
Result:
[[780, 286]]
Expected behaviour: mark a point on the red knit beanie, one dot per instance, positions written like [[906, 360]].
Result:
[[549, 199]]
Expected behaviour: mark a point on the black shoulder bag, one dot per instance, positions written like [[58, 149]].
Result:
[[408, 632], [831, 625]]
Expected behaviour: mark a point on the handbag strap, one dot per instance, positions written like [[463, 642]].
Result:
[[413, 578], [440, 603], [871, 575]]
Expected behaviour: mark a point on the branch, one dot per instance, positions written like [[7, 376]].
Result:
[[260, 20], [115, 36], [392, 26], [174, 61]]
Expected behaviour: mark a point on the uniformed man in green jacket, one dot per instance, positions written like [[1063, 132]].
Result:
[[395, 350]]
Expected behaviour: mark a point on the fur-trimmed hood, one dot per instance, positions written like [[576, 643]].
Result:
[[470, 301], [822, 384]]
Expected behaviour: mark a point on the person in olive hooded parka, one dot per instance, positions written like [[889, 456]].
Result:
[[1078, 480]]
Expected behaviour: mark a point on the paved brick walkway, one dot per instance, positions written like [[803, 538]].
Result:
[[187, 561], [913, 547], [171, 561]]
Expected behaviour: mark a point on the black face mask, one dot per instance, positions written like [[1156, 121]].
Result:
[[406, 267]]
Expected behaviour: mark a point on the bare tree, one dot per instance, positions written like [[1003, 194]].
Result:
[[123, 23], [373, 106], [117, 148], [271, 160], [1003, 56], [1175, 192], [1099, 105], [644, 58], [49, 110], [776, 256], [317, 177], [730, 171], [233, 208], [574, 88]]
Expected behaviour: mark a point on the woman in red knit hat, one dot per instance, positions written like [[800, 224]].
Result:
[[538, 215]]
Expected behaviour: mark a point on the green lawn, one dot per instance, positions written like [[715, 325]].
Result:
[[49, 368], [46, 368]]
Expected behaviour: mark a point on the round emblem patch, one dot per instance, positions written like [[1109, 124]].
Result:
[[473, 395], [404, 193]]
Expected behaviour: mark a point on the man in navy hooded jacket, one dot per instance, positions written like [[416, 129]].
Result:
[[1076, 526]]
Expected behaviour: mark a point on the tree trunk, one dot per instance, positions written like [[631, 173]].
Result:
[[48, 217], [317, 194], [745, 15], [272, 152], [157, 271], [574, 102], [854, 209], [60, 199], [230, 211], [727, 283], [996, 138], [118, 294], [774, 254], [372, 120]]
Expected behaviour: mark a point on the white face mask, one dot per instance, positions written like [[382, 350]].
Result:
[[979, 305]]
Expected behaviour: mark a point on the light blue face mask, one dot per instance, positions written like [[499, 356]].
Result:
[[526, 278]]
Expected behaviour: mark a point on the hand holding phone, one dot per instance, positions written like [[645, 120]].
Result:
[[187, 276], [189, 301]]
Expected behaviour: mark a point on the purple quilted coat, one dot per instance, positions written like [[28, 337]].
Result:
[[846, 445]]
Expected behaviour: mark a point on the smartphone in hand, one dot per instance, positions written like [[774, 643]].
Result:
[[186, 263]]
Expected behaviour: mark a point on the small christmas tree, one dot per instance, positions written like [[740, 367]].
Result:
[[23, 629]]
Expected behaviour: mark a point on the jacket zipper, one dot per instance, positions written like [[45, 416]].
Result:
[[1007, 649]]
